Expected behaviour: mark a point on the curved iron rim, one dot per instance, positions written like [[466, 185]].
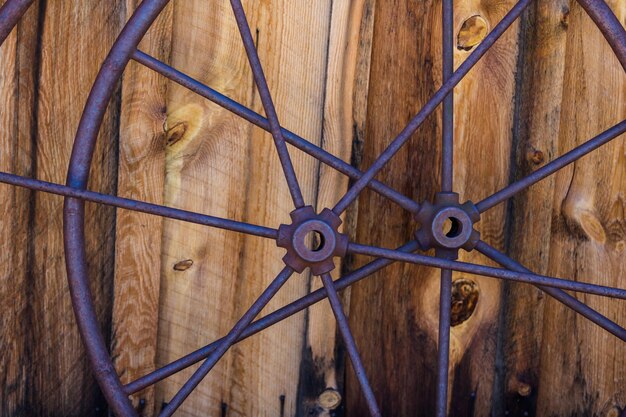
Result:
[[124, 49]]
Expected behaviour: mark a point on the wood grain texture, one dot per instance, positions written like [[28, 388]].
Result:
[[395, 313], [395, 348], [216, 164], [138, 236], [18, 60], [540, 95], [321, 377], [569, 225], [484, 115], [75, 38], [588, 240]]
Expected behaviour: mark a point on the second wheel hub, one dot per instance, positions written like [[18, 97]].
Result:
[[447, 225]]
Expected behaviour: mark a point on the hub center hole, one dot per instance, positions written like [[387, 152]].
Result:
[[452, 227], [315, 241]]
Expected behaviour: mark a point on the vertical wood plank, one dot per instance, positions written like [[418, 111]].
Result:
[[396, 311], [484, 117], [18, 60], [588, 238], [219, 165], [385, 308], [321, 377], [538, 126], [138, 236], [75, 38]]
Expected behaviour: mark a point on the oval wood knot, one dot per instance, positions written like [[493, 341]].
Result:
[[329, 399], [183, 265], [464, 300], [472, 32]]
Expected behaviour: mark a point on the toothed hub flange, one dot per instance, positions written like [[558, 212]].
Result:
[[447, 225], [312, 240]]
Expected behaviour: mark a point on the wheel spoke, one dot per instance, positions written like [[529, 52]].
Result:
[[432, 104], [443, 348], [225, 343], [447, 148], [488, 271], [268, 104], [140, 206], [258, 120], [264, 323], [560, 295], [350, 344], [10, 13], [552, 167], [447, 171]]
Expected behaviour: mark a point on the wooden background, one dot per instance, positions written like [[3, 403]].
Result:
[[347, 75]]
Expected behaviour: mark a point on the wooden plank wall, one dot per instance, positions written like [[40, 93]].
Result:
[[346, 75], [44, 368]]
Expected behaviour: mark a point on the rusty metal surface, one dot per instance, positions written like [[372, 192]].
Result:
[[297, 238]]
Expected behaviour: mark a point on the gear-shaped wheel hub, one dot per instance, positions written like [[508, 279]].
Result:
[[312, 240], [447, 225]]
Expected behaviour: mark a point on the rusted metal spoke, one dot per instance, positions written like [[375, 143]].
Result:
[[447, 171], [447, 148], [552, 167], [350, 344], [140, 206], [432, 104], [443, 346], [260, 121], [488, 271], [268, 104], [573, 303], [10, 14], [225, 344], [265, 322]]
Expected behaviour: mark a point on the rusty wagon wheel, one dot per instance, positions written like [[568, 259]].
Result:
[[295, 237]]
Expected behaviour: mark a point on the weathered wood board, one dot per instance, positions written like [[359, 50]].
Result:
[[54, 64]]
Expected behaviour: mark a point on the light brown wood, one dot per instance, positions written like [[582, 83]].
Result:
[[17, 98], [75, 38], [219, 165], [573, 88], [138, 236], [484, 116], [588, 239], [322, 373]]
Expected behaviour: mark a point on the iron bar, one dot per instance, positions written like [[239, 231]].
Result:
[[488, 271], [350, 344], [10, 13], [447, 175], [268, 104], [443, 346], [258, 120], [447, 148], [265, 322], [560, 295], [225, 344], [141, 206], [552, 167], [432, 104]]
